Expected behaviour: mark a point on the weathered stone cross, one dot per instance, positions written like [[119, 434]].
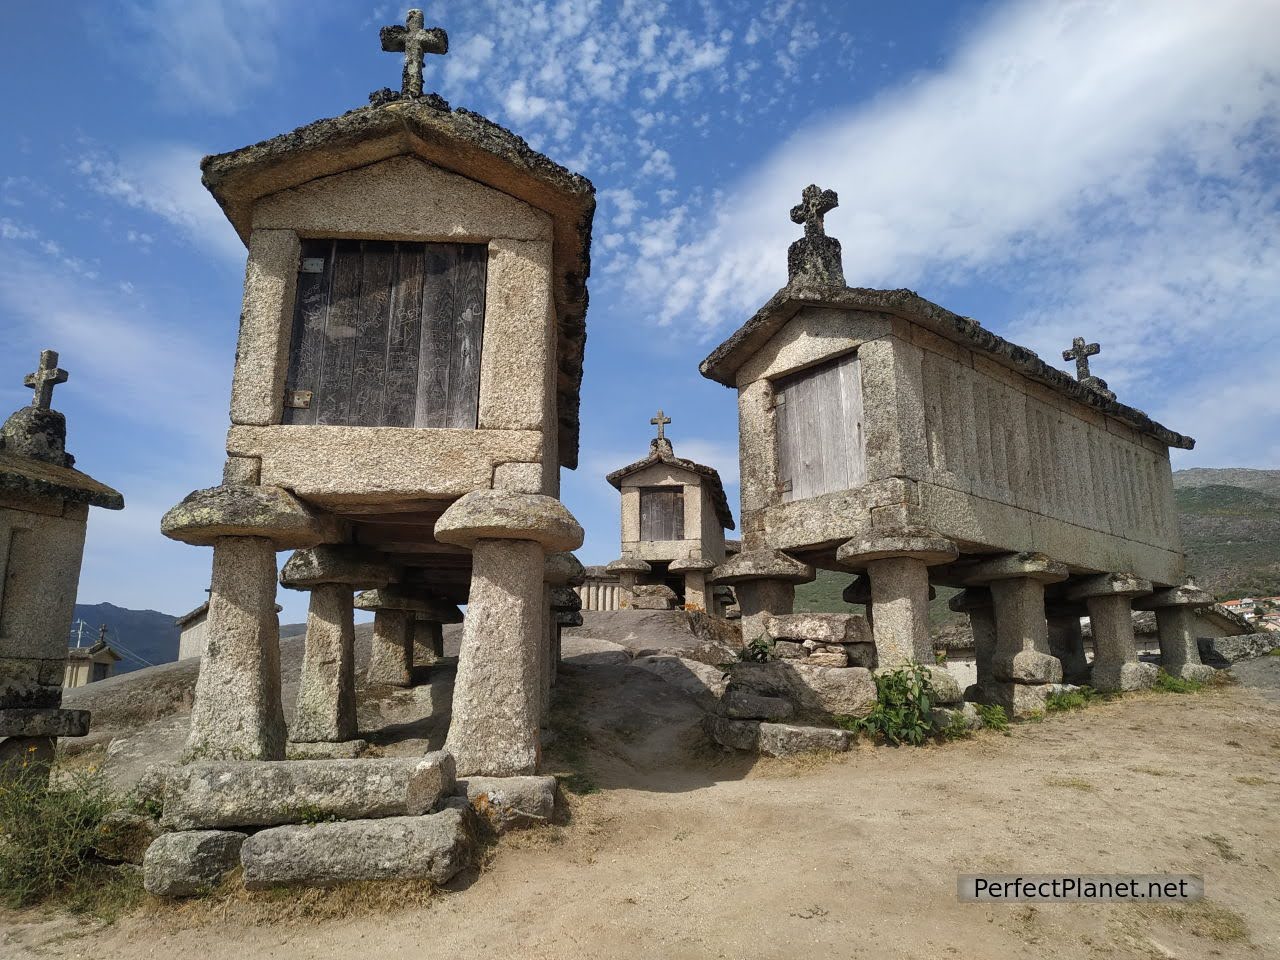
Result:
[[46, 377], [660, 421], [1080, 352], [414, 42], [814, 204]]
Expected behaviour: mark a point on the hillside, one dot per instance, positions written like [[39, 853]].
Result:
[[146, 635], [1230, 522]]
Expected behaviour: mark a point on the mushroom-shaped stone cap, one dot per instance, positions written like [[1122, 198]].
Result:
[[499, 515], [762, 565], [913, 543], [1014, 566], [1186, 595], [686, 564], [659, 590], [563, 570], [1109, 585], [628, 565], [974, 598], [568, 618], [315, 566], [565, 598], [269, 512], [399, 598]]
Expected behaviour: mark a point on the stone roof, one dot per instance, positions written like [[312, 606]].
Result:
[[38, 478], [723, 363], [93, 652], [456, 140], [660, 452], [186, 618]]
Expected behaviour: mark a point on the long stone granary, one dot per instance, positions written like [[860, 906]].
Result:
[[882, 434], [405, 392]]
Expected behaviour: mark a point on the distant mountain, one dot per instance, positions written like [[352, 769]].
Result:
[[137, 635], [1230, 522]]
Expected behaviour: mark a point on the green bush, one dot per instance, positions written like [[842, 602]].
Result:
[[993, 716], [904, 706], [1072, 699], [1168, 683], [47, 831], [759, 650]]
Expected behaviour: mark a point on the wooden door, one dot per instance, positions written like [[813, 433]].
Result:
[[819, 424], [662, 513], [387, 334]]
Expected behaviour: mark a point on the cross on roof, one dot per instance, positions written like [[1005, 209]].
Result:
[[414, 42], [814, 204], [47, 376], [1080, 352], [660, 421]]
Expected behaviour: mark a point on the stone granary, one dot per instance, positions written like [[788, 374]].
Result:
[[884, 435], [405, 393], [44, 510], [674, 515]]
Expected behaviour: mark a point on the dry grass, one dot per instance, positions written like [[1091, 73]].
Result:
[[801, 765], [1224, 848], [1205, 919], [1070, 783], [1255, 781]]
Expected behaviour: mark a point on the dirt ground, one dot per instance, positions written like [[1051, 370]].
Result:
[[683, 851]]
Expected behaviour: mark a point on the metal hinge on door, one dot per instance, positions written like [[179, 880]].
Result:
[[312, 265], [297, 399]]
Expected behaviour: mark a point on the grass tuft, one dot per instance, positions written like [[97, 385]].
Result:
[[1168, 683], [993, 716], [1072, 700]]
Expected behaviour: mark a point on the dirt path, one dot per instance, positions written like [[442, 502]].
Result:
[[856, 857]]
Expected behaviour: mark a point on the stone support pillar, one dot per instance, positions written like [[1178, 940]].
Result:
[[897, 567], [977, 603], [1109, 597], [428, 641], [236, 714], [497, 694], [765, 584], [628, 571], [697, 591], [1176, 627], [391, 649], [1023, 670], [326, 707], [1066, 640]]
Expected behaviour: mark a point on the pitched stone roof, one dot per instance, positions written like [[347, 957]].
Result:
[[724, 361], [37, 478], [660, 452], [456, 140]]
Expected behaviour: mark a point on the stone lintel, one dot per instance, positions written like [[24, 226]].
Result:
[[921, 544], [43, 722], [1014, 566], [235, 510], [1109, 585], [392, 598], [762, 565], [1186, 595], [499, 515], [313, 566]]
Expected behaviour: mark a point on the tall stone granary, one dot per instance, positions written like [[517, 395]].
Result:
[[44, 512], [886, 436], [405, 393]]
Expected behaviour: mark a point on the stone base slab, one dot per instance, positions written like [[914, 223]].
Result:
[[190, 862], [44, 722], [814, 691], [511, 803], [1122, 677], [433, 847], [1192, 671], [1019, 700], [776, 739]]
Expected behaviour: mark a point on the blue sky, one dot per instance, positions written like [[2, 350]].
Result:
[[1053, 168]]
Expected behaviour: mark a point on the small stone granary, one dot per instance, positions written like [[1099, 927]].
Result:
[[44, 510], [405, 393], [674, 514], [884, 435]]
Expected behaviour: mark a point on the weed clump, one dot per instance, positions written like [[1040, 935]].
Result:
[[1076, 699], [1168, 683], [903, 712]]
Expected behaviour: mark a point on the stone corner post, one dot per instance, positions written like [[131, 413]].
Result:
[[765, 584], [978, 604], [698, 593], [1175, 609], [628, 571], [237, 713], [496, 698]]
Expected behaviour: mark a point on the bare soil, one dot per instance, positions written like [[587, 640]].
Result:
[[684, 851]]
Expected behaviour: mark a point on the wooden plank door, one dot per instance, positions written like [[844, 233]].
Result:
[[662, 513], [819, 430], [387, 334]]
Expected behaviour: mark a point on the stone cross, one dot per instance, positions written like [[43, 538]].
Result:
[[1080, 352], [46, 377], [660, 421], [414, 42], [814, 204]]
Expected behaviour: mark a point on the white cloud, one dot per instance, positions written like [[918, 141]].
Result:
[[164, 180], [205, 55]]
